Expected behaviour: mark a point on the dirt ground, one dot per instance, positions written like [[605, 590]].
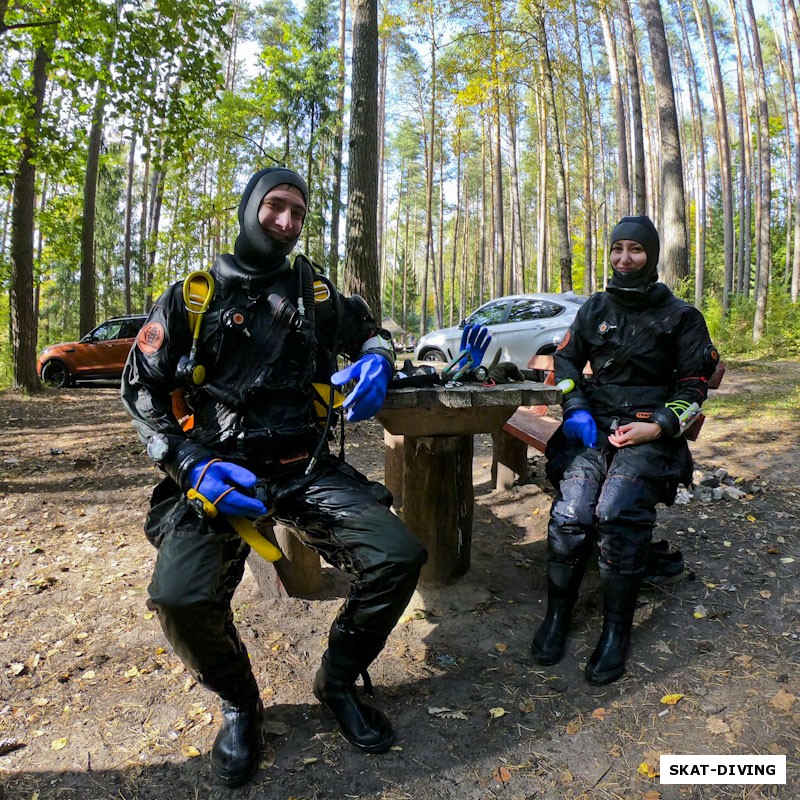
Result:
[[94, 705]]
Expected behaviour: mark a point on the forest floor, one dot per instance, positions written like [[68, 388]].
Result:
[[94, 705]]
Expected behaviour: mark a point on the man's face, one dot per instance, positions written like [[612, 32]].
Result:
[[282, 212], [628, 256]]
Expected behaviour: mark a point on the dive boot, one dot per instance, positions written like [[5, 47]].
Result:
[[237, 748], [349, 654], [563, 583], [607, 662]]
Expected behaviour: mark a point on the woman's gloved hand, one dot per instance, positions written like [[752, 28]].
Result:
[[216, 483], [475, 340], [581, 427], [373, 373]]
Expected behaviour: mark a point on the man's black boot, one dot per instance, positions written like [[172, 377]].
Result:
[[607, 662], [563, 583], [237, 748], [349, 653]]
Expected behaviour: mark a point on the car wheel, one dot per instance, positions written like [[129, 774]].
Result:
[[433, 354], [56, 373]]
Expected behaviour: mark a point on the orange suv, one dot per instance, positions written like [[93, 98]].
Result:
[[101, 353]]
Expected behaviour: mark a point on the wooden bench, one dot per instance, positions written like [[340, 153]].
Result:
[[531, 427]]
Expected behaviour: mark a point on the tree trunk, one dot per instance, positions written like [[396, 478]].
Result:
[[791, 12], [624, 195], [361, 267], [674, 239], [338, 137], [564, 243], [23, 316], [762, 108], [632, 62], [723, 144], [88, 287]]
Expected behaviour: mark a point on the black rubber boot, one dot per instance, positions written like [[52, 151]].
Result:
[[563, 583], [237, 748], [661, 566], [607, 662], [349, 654]]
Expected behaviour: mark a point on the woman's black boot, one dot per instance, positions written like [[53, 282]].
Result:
[[563, 583], [607, 662], [349, 654]]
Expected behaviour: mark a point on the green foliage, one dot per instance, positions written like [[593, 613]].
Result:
[[733, 333]]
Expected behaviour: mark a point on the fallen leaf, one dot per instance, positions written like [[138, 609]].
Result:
[[599, 713], [574, 726], [717, 725], [527, 705], [58, 744], [647, 770], [787, 560], [672, 699], [502, 775], [783, 701], [500, 647], [745, 661], [190, 751], [416, 614], [447, 713], [766, 594], [497, 712], [132, 672], [700, 612], [653, 794]]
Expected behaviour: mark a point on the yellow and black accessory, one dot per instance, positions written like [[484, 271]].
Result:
[[243, 526], [198, 289], [324, 394]]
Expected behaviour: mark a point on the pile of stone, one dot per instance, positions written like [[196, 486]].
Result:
[[717, 484]]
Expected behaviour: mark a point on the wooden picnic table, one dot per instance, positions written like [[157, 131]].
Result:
[[428, 437]]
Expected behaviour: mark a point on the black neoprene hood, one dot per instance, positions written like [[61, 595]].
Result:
[[254, 246], [639, 229]]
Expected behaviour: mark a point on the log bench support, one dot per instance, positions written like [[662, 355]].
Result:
[[527, 427]]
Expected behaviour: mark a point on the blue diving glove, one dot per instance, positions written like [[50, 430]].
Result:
[[475, 340], [373, 372], [580, 425], [214, 485]]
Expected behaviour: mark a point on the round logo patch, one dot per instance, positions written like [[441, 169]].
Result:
[[150, 338]]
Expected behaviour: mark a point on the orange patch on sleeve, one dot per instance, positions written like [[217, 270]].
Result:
[[150, 338]]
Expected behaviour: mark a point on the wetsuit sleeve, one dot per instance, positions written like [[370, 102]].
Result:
[[697, 360], [569, 361], [149, 378], [360, 334]]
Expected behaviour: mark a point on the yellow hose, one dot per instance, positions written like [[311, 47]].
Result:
[[248, 532]]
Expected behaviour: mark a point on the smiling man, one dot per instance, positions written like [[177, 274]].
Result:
[[273, 328]]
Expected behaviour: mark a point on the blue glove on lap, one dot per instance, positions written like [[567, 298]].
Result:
[[475, 340], [580, 425], [373, 372], [221, 477]]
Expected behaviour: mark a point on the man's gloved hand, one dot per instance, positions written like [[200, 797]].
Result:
[[216, 481], [373, 373], [475, 340], [580, 425]]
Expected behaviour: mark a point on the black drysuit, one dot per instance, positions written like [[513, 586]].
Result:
[[645, 349], [256, 409]]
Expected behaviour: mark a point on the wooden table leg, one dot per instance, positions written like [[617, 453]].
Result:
[[393, 467], [439, 502]]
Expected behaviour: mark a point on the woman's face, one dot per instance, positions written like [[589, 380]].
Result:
[[628, 256]]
